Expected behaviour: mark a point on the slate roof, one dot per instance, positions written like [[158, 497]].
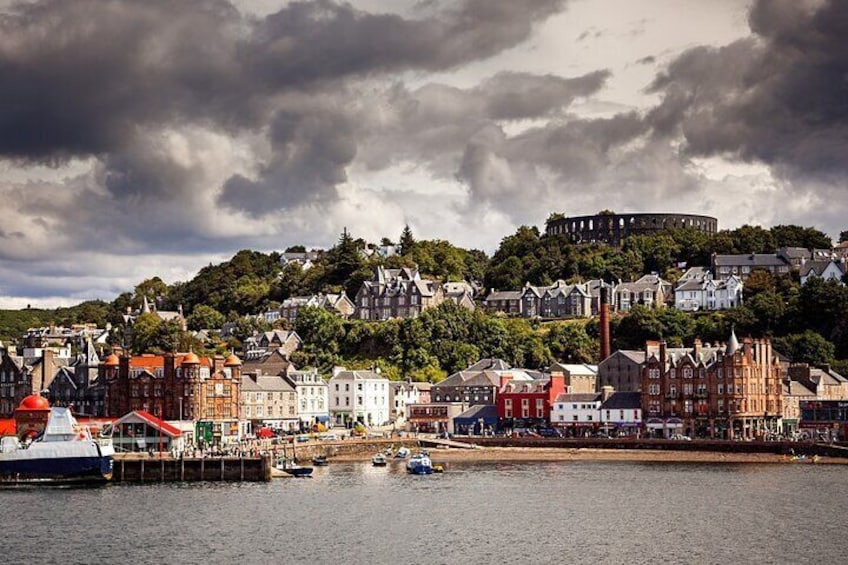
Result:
[[623, 401], [751, 260], [579, 397]]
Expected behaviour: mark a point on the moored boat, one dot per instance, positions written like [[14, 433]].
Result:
[[62, 452], [292, 468], [419, 464], [379, 460], [402, 453], [320, 461]]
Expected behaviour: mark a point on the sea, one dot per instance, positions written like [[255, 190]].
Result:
[[474, 512]]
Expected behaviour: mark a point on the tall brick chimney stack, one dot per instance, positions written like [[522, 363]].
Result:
[[605, 324]]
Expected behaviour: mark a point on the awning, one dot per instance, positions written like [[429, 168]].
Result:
[[265, 432], [322, 418]]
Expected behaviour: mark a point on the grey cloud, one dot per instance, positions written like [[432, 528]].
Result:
[[779, 99]]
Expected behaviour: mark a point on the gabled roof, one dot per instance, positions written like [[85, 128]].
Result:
[[142, 417]]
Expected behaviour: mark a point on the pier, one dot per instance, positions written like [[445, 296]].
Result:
[[191, 469]]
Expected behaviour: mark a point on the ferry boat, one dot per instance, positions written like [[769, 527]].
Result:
[[63, 452], [419, 464]]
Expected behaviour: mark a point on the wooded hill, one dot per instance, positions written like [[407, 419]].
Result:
[[808, 323]]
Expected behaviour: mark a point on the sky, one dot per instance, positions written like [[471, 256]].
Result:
[[142, 139]]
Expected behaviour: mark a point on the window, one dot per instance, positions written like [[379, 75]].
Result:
[[654, 389], [672, 374], [687, 372], [653, 373]]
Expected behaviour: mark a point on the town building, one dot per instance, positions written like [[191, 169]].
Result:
[[577, 414], [824, 420], [21, 377], [724, 391], [434, 418], [650, 291], [313, 397], [396, 293], [359, 396], [622, 371], [825, 383], [76, 385], [556, 301], [268, 401], [284, 342], [338, 304], [460, 293], [621, 412], [830, 270], [794, 392], [503, 301], [479, 383], [402, 394], [180, 386], [578, 377], [697, 290], [305, 259], [527, 404]]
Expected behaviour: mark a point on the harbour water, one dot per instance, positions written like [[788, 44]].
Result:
[[564, 512]]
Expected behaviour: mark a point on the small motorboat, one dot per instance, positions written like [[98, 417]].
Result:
[[379, 460], [292, 468], [419, 464], [402, 453], [320, 461]]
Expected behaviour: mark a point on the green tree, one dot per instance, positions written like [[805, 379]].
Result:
[[797, 236], [571, 343], [406, 241], [808, 347], [205, 317]]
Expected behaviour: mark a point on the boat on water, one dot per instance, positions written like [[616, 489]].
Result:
[[64, 452], [379, 460], [419, 464], [402, 453], [292, 468], [320, 461]]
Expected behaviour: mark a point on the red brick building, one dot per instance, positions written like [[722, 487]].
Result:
[[179, 386], [723, 391], [528, 403]]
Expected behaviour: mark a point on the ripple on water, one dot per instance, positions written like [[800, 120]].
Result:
[[510, 512]]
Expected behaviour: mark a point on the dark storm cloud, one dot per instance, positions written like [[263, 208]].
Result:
[[781, 99], [307, 41], [79, 76]]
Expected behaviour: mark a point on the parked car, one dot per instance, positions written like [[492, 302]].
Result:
[[329, 437], [549, 432], [681, 437], [302, 438]]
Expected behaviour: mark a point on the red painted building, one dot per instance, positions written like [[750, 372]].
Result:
[[528, 403]]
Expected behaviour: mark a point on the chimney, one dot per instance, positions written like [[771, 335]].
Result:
[[217, 363], [605, 324], [696, 350], [606, 392], [505, 378], [662, 352]]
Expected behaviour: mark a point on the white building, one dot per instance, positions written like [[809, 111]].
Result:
[[313, 397], [361, 396], [578, 414], [404, 393], [621, 413], [697, 290], [827, 270]]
